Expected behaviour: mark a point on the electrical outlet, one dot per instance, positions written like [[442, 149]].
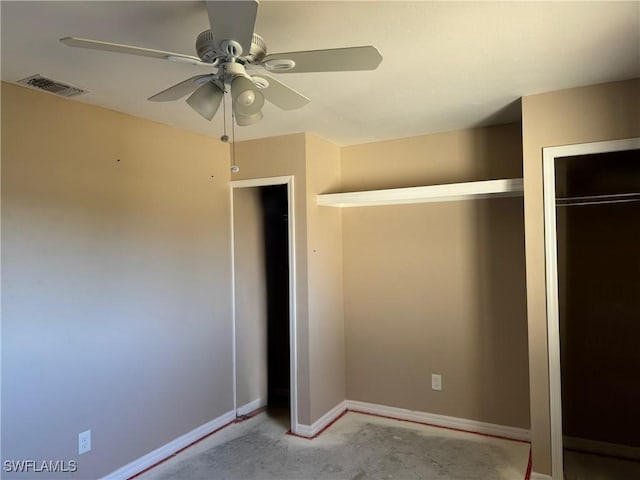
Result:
[[84, 442], [436, 381]]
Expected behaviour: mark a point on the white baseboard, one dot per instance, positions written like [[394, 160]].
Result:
[[441, 420], [251, 406], [170, 448], [540, 476], [311, 431], [601, 448]]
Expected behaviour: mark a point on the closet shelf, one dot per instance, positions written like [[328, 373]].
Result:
[[510, 187]]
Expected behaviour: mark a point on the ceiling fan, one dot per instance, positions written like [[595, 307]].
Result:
[[230, 48]]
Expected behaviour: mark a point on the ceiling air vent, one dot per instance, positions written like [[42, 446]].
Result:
[[51, 86]]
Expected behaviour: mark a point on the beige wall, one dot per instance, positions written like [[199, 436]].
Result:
[[326, 314], [579, 115], [116, 293], [437, 288], [314, 164], [116, 278], [450, 157], [250, 296]]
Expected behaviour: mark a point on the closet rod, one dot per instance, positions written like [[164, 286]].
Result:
[[602, 202], [597, 199]]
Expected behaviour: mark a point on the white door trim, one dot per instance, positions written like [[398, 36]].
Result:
[[549, 156], [293, 337]]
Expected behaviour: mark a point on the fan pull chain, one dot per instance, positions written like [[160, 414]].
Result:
[[234, 168], [225, 137]]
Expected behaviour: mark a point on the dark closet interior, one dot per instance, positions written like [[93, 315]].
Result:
[[598, 227], [276, 248]]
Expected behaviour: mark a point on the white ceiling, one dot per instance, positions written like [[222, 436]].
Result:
[[446, 66]]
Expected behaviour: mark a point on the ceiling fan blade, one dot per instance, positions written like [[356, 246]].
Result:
[[181, 89], [329, 60], [128, 49], [233, 20], [281, 95]]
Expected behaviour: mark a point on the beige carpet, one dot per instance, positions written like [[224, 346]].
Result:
[[357, 446]]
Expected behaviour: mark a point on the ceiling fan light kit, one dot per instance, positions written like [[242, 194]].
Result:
[[230, 48], [206, 100], [245, 120], [247, 98]]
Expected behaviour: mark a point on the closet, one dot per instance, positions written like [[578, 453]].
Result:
[[598, 248], [434, 288]]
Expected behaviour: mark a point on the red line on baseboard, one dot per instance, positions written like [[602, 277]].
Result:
[[527, 475], [441, 426], [239, 419], [528, 472], [181, 450], [262, 409], [251, 414]]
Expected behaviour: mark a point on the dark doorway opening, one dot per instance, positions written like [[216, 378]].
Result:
[[276, 247]]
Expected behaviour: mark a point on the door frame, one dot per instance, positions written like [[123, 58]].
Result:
[[549, 156], [293, 357]]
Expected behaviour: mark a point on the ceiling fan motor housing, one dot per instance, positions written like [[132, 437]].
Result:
[[257, 51], [206, 47], [211, 51]]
